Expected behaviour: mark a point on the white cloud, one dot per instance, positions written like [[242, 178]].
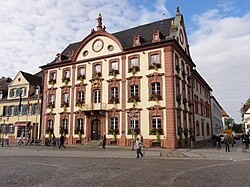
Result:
[[32, 33], [220, 48]]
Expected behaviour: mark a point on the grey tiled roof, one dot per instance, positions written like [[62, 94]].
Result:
[[126, 36], [145, 32], [32, 79]]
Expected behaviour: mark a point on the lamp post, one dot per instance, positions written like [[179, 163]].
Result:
[[132, 116], [3, 128]]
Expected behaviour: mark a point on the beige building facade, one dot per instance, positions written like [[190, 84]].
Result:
[[137, 82], [20, 117]]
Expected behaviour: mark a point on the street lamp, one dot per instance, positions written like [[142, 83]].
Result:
[[132, 116], [3, 129]]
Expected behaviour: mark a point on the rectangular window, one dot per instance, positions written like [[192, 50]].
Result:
[[156, 37], [1, 95], [134, 62], [81, 96], [134, 90], [155, 59], [50, 124], [81, 71], [65, 98], [97, 68], [134, 123], [156, 122], [64, 123], [66, 74], [52, 76], [114, 65], [208, 130], [113, 123], [97, 96], [114, 92], [79, 124], [155, 88], [12, 110], [52, 99]]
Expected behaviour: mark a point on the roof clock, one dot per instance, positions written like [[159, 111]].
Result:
[[97, 45]]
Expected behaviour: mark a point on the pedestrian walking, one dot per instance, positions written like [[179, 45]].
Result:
[[61, 141], [138, 146], [226, 141], [53, 141], [218, 142], [104, 139], [247, 141]]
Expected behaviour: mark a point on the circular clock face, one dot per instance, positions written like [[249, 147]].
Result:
[[98, 45]]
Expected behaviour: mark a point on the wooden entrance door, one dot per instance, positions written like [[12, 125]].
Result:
[[96, 130]]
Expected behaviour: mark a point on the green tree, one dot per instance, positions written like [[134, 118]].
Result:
[[238, 128], [229, 122], [245, 107]]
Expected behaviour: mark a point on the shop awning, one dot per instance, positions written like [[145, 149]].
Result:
[[21, 123]]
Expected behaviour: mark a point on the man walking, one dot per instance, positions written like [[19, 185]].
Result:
[[226, 141], [61, 141], [138, 146]]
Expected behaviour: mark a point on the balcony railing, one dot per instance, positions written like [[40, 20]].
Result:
[[94, 106]]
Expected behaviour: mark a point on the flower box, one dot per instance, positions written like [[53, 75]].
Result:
[[154, 130], [52, 81], [77, 131], [155, 97], [81, 77], [114, 100], [154, 65], [49, 130], [97, 74], [65, 80], [112, 131], [134, 69], [133, 99], [64, 131], [113, 72], [136, 131]]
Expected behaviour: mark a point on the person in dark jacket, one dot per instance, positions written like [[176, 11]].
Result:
[[104, 139], [227, 141], [61, 141], [218, 142]]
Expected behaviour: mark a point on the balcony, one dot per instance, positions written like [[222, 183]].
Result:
[[94, 106]]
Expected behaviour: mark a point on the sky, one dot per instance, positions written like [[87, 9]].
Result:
[[34, 31]]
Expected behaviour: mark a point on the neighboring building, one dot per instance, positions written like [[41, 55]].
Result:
[[246, 117], [224, 117], [138, 79], [202, 109], [20, 108], [4, 82], [216, 117]]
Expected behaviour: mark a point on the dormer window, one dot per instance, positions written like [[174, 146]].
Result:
[[137, 40], [1, 95], [156, 36], [37, 90]]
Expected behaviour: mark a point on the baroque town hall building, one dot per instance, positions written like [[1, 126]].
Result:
[[137, 81]]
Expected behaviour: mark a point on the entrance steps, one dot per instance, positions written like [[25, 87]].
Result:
[[92, 143]]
